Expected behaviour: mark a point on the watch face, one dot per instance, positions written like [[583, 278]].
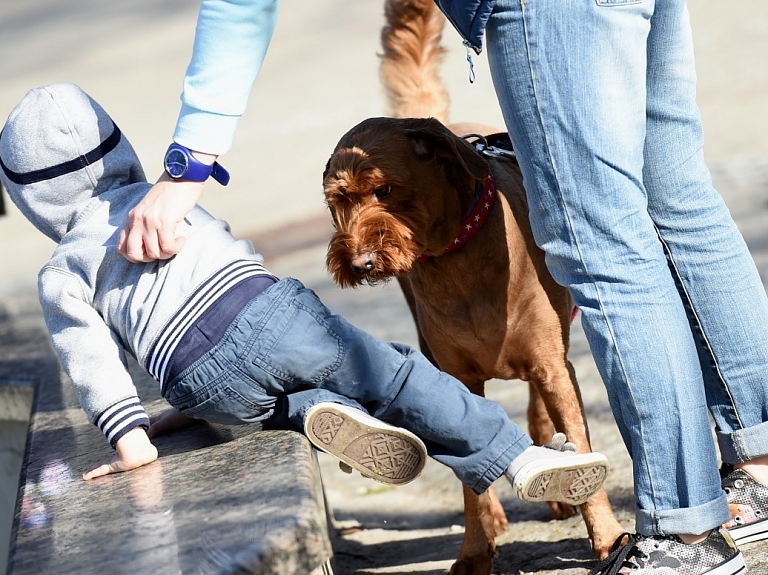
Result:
[[176, 163]]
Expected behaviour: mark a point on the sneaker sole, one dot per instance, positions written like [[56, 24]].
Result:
[[734, 566], [384, 453], [570, 482], [750, 533]]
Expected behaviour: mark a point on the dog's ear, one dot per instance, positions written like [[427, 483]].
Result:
[[432, 140]]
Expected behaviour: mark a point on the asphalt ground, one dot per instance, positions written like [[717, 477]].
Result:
[[319, 79]]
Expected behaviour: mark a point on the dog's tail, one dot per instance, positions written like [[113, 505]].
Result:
[[411, 39]]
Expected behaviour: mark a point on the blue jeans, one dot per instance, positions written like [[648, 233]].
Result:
[[599, 100], [286, 352]]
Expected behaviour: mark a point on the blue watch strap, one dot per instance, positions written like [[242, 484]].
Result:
[[219, 173]]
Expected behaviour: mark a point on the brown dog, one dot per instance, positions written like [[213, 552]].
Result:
[[407, 195]]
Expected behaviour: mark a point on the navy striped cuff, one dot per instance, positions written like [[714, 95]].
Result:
[[120, 418]]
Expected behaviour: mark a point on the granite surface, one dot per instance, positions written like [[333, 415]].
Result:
[[218, 500]]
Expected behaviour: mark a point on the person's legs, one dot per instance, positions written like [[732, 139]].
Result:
[[299, 345], [571, 80], [716, 274], [286, 355]]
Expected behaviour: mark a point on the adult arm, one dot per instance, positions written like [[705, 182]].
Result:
[[231, 41]]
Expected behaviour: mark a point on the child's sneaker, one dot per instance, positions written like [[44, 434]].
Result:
[[748, 502], [380, 451], [668, 555], [556, 473]]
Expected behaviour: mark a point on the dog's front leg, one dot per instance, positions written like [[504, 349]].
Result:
[[541, 429], [562, 397], [478, 548]]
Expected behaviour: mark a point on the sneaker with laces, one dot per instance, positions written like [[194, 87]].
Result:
[[555, 472], [668, 555], [748, 502], [384, 453]]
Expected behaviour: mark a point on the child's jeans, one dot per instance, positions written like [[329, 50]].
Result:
[[285, 352]]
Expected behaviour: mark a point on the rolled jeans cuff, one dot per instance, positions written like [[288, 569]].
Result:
[[691, 520], [744, 444], [497, 467]]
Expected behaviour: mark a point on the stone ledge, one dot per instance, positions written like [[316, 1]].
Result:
[[218, 500]]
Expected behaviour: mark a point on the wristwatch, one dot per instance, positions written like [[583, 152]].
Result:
[[180, 164]]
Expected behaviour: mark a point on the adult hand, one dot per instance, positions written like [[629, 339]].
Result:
[[150, 230], [131, 451]]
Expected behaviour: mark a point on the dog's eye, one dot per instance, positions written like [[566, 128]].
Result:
[[383, 191]]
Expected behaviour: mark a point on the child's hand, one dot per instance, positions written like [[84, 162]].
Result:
[[169, 420], [132, 450]]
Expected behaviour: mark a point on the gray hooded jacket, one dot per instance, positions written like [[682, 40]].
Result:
[[71, 172]]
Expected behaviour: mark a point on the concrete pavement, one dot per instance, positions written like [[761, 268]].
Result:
[[319, 79]]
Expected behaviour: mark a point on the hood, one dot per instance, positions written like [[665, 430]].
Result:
[[58, 151]]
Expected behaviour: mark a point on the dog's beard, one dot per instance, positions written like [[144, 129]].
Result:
[[374, 231]]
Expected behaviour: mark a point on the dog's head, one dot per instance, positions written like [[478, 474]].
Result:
[[397, 189]]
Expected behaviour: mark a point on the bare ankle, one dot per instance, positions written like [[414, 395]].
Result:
[[693, 539], [757, 468]]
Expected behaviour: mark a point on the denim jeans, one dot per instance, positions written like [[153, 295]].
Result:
[[599, 100], [285, 352]]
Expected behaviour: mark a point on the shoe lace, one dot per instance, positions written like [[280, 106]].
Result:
[[620, 556]]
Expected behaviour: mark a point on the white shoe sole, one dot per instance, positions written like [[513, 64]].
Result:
[[750, 533], [571, 478], [734, 566], [384, 453]]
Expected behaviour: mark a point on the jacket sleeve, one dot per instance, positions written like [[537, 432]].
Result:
[[91, 355], [231, 41]]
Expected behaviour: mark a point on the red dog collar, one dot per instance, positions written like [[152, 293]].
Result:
[[477, 217]]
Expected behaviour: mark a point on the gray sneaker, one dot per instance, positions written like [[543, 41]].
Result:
[[748, 502], [555, 472], [657, 555], [384, 453]]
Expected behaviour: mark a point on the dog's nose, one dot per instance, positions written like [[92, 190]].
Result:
[[363, 263]]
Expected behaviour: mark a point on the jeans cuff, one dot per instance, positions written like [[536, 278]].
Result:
[[500, 464], [744, 444], [690, 520]]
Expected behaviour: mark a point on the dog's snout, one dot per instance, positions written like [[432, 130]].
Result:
[[363, 263]]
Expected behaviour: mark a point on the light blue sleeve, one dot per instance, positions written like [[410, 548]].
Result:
[[231, 40]]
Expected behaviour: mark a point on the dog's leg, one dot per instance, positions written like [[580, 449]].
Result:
[[485, 519], [560, 393], [407, 290], [478, 548], [541, 429]]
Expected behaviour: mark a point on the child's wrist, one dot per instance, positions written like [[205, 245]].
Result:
[[134, 442]]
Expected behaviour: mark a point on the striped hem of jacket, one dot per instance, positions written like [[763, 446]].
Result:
[[203, 298], [120, 418]]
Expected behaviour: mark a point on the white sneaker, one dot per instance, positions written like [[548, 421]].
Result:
[[552, 474], [376, 449]]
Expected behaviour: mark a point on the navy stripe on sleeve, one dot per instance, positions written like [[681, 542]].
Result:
[[122, 417]]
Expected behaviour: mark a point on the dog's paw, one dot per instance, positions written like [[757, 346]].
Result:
[[477, 565], [562, 510]]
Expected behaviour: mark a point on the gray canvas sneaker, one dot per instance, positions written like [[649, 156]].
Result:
[[668, 555], [748, 502], [384, 453]]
